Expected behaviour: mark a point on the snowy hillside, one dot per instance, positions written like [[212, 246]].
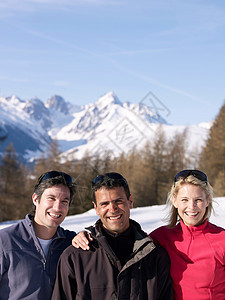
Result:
[[149, 217], [107, 124]]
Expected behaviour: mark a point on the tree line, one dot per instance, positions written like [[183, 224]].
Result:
[[149, 171]]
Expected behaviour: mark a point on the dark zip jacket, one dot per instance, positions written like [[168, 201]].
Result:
[[97, 274], [25, 272]]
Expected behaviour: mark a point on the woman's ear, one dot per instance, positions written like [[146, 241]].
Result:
[[173, 201]]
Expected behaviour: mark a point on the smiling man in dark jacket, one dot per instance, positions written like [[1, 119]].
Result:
[[29, 250], [123, 262]]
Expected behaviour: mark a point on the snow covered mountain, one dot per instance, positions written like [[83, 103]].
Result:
[[23, 124], [107, 124]]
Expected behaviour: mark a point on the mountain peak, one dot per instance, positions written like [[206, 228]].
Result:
[[35, 107], [58, 103], [37, 110], [107, 100], [14, 100]]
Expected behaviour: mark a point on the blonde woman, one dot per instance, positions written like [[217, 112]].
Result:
[[196, 247]]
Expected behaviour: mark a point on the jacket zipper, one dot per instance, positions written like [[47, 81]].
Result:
[[44, 263], [190, 242]]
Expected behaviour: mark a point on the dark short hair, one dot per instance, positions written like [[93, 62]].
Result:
[[54, 178], [110, 181]]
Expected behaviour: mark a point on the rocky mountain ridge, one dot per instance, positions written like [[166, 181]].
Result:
[[107, 124]]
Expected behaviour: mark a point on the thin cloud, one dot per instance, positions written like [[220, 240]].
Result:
[[157, 83], [11, 79], [51, 39], [57, 41], [35, 5], [120, 51]]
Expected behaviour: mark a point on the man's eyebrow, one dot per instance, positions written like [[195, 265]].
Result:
[[104, 201], [51, 195], [66, 198], [108, 201], [54, 196]]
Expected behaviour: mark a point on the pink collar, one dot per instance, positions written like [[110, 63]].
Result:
[[193, 229]]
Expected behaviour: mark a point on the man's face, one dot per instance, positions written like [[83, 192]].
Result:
[[53, 206], [113, 208]]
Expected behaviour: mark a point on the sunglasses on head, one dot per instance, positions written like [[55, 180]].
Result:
[[53, 174], [112, 175], [196, 173]]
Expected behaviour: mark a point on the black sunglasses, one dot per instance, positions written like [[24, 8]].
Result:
[[196, 173], [112, 175], [53, 174]]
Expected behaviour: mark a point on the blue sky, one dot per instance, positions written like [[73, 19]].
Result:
[[82, 49]]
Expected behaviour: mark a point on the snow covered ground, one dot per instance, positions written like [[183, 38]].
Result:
[[149, 217]]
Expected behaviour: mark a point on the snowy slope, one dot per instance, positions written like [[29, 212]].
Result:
[[17, 126]]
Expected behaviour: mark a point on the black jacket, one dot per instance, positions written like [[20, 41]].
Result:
[[97, 274]]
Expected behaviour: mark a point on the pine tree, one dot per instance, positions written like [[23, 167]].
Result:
[[14, 186], [212, 158], [143, 183], [49, 160], [219, 186], [83, 173], [159, 165]]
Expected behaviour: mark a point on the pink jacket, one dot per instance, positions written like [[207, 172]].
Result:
[[197, 255]]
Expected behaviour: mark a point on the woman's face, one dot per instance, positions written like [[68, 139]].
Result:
[[191, 203]]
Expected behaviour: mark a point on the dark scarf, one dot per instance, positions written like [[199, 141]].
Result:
[[121, 243]]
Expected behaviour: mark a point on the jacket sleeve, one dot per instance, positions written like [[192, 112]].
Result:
[[2, 267], [164, 282], [65, 284], [4, 262]]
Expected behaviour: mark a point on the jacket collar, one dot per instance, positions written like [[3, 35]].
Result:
[[194, 229], [29, 223], [140, 236]]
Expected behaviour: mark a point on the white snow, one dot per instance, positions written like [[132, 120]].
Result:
[[108, 124], [149, 217]]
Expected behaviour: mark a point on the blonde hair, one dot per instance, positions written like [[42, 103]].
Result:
[[206, 187]]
